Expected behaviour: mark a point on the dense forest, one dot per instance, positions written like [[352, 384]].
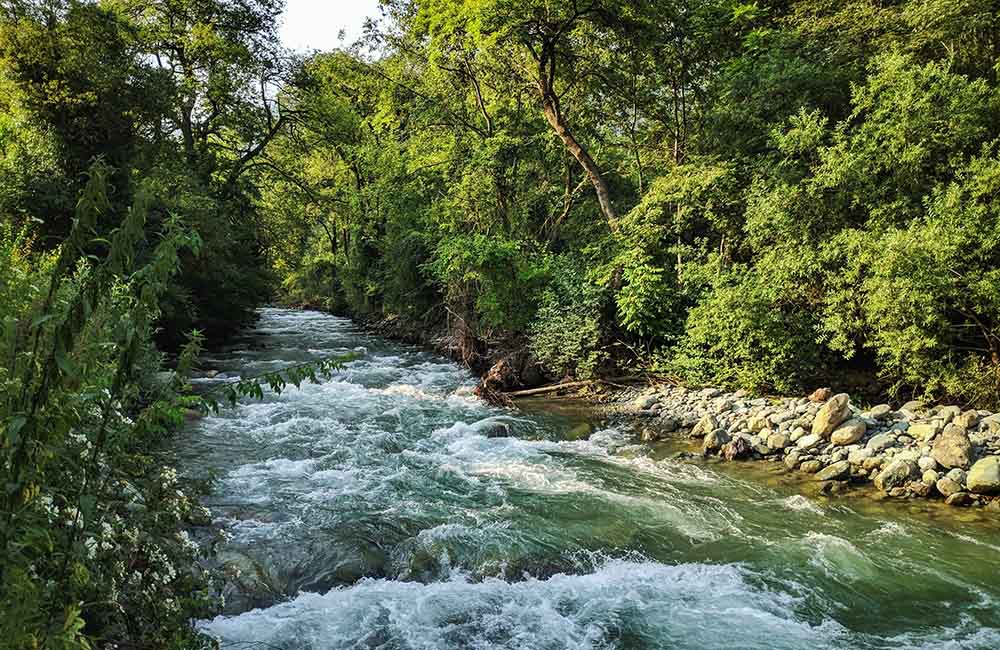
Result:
[[766, 195]]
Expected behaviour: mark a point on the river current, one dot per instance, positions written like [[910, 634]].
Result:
[[387, 508]]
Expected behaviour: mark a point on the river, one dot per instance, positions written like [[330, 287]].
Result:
[[384, 511]]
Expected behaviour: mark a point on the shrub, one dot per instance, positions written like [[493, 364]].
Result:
[[568, 333]]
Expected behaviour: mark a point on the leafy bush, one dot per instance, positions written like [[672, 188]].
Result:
[[568, 332], [747, 332], [504, 276], [91, 522]]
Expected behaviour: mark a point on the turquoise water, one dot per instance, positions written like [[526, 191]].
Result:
[[384, 512]]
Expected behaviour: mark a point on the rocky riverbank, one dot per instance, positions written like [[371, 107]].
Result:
[[915, 450]]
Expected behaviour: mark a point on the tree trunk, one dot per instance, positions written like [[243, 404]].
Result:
[[550, 107]]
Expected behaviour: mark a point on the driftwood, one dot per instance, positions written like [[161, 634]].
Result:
[[554, 388]]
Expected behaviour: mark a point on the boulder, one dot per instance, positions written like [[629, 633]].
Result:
[[736, 449], [967, 420], [880, 412], [811, 466], [858, 456], [835, 411], [948, 413], [930, 477], [952, 448], [835, 472], [783, 416], [927, 463], [881, 442], [645, 402], [809, 441], [959, 499], [849, 432], [984, 477], [947, 487], [792, 459], [923, 430], [707, 424], [820, 395], [778, 441], [714, 441], [957, 475], [896, 474]]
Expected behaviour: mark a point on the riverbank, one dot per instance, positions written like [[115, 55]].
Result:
[[913, 451]]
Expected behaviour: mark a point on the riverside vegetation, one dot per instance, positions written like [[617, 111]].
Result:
[[766, 196]]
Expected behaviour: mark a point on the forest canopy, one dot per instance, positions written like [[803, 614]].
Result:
[[758, 194]]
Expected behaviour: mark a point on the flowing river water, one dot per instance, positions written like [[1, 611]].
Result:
[[383, 510]]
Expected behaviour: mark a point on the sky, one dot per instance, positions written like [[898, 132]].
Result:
[[314, 24]]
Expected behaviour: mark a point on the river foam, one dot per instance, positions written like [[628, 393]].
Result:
[[394, 510], [621, 604]]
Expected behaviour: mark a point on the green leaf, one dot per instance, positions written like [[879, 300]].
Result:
[[14, 428]]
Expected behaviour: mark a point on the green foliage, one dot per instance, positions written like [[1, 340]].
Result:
[[92, 523], [569, 334], [503, 276], [767, 193]]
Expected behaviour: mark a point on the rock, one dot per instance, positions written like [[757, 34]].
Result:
[[897, 492], [920, 488], [645, 402], [796, 434], [947, 487], [923, 430], [504, 430], [647, 435], [669, 425], [957, 475], [858, 456], [959, 499], [831, 415], [913, 406], [706, 425], [967, 420], [834, 472], [984, 477], [952, 448], [792, 459], [784, 416], [927, 463], [880, 412], [872, 463], [896, 474], [820, 395], [778, 441], [811, 466], [991, 423], [948, 413], [881, 442], [930, 477], [714, 441], [849, 432], [809, 441], [738, 448], [757, 422]]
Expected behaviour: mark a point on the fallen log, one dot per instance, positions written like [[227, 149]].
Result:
[[554, 388]]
